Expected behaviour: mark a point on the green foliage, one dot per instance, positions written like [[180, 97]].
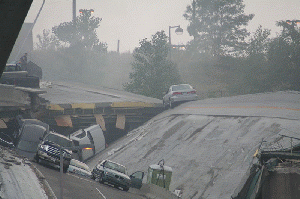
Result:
[[284, 58], [81, 33], [258, 44], [217, 25], [269, 64], [73, 52], [47, 41], [152, 72], [250, 73]]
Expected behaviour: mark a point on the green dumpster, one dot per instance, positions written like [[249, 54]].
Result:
[[159, 175]]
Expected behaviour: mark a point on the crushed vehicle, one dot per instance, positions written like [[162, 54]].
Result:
[[92, 135], [177, 94], [79, 168], [29, 140], [49, 150], [13, 74], [23, 122], [116, 174]]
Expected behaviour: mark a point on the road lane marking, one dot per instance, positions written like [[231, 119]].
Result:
[[268, 107], [101, 193]]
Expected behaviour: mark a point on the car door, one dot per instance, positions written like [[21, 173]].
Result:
[[137, 179]]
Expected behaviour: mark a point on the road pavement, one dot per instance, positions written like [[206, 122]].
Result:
[[210, 144]]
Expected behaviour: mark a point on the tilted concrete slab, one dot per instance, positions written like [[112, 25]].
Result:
[[210, 149]]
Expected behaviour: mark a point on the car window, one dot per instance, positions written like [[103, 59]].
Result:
[[29, 146], [9, 68], [115, 167], [181, 87], [59, 140], [138, 175], [80, 135]]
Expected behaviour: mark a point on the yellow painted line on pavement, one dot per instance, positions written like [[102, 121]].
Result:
[[55, 107], [84, 105], [246, 107]]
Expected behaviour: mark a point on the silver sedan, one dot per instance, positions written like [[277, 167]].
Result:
[[179, 94]]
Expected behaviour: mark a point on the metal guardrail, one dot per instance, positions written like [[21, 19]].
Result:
[[283, 148]]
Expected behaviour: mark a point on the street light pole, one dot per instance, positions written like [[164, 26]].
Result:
[[74, 11], [178, 31]]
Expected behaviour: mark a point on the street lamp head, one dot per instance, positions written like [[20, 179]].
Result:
[[85, 10], [179, 31]]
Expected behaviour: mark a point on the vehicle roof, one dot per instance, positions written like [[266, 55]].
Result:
[[74, 134], [181, 85], [32, 132], [35, 121], [92, 127], [112, 162], [60, 135], [158, 167], [79, 164]]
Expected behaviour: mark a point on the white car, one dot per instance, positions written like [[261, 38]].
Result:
[[79, 168], [92, 135], [179, 94]]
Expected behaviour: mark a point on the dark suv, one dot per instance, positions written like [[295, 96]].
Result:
[[49, 150]]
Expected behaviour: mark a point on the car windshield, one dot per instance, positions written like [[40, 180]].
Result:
[[27, 146], [181, 87], [10, 68], [59, 140], [80, 134], [115, 167]]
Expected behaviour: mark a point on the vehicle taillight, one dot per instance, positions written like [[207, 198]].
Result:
[[88, 148], [177, 93], [192, 92]]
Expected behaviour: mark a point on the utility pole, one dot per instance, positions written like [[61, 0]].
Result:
[[118, 47], [74, 11]]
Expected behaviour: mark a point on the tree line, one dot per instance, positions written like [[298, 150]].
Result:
[[222, 56]]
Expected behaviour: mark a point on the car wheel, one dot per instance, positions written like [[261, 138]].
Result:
[[171, 104], [101, 178], [165, 105], [65, 168], [125, 188], [37, 159], [93, 177]]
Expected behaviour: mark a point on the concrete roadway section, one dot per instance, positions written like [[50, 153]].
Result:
[[210, 144], [272, 105], [71, 93], [84, 105]]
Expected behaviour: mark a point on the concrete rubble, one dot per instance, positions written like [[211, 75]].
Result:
[[20, 179]]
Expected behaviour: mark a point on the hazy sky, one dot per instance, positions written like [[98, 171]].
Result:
[[133, 20]]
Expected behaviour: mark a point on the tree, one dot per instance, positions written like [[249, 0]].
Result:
[[81, 32], [217, 25], [47, 41], [284, 58], [152, 72]]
